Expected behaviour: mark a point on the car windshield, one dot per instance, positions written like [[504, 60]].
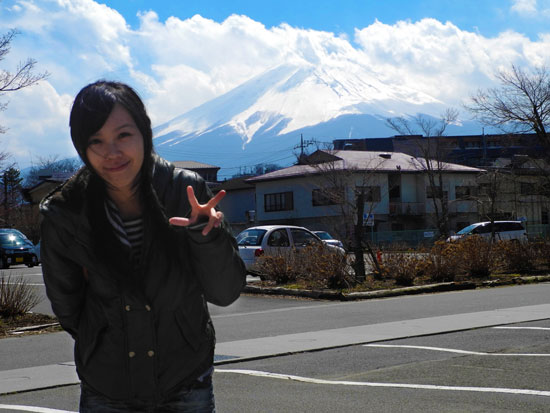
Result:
[[466, 230], [12, 240], [323, 235], [251, 237]]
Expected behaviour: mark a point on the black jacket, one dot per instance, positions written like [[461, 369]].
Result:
[[140, 331]]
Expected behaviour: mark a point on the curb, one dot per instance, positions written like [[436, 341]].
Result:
[[417, 289]]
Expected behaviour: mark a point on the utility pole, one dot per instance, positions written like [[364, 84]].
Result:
[[303, 144]]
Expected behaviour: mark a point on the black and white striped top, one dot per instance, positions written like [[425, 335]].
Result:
[[129, 232]]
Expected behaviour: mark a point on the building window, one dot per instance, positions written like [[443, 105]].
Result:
[[326, 197], [372, 193], [437, 190], [528, 188], [395, 192], [544, 217], [281, 201], [463, 192]]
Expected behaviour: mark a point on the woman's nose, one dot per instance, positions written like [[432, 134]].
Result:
[[111, 150]]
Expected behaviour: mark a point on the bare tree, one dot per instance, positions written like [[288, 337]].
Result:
[[521, 104], [49, 165], [24, 75], [354, 191], [491, 187], [427, 132]]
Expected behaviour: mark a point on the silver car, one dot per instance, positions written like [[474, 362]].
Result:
[[328, 239], [504, 230], [269, 239]]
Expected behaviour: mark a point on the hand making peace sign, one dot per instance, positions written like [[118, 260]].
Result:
[[204, 210]]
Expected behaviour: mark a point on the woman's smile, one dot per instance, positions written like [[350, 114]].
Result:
[[116, 151], [117, 168]]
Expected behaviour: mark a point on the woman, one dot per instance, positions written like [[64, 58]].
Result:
[[132, 249]]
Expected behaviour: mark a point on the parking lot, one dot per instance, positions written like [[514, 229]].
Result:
[[495, 369], [484, 350], [487, 370]]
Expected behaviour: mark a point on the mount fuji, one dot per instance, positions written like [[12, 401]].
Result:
[[261, 120]]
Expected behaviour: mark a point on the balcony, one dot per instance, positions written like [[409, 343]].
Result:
[[407, 208]]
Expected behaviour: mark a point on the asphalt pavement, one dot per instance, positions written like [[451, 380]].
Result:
[[295, 345]]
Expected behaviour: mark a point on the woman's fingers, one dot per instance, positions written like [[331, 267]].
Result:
[[216, 199], [182, 222], [208, 209], [192, 198], [213, 222]]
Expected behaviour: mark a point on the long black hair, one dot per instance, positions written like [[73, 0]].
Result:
[[93, 105], [91, 108]]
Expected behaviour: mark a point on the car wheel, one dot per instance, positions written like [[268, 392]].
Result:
[[3, 263]]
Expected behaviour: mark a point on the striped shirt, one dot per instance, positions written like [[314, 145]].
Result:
[[129, 232]]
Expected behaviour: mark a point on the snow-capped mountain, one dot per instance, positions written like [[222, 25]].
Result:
[[271, 111]]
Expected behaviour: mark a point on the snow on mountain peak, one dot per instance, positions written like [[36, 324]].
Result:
[[296, 95]]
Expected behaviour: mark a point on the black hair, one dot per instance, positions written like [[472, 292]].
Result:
[[91, 108], [93, 105]]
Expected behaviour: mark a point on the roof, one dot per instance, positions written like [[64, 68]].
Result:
[[236, 184], [362, 161], [194, 165]]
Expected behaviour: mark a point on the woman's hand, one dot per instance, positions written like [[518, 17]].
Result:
[[198, 211]]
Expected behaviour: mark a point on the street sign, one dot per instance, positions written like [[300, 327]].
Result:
[[368, 220]]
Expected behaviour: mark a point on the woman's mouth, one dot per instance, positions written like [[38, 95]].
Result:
[[117, 168]]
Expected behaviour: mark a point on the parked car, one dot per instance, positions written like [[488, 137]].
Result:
[[12, 231], [15, 249], [328, 239], [504, 230], [256, 241]]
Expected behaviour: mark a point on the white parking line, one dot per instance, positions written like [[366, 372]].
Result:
[[32, 409], [523, 328], [394, 385], [452, 350]]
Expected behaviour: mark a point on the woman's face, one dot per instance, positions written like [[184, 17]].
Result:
[[116, 150]]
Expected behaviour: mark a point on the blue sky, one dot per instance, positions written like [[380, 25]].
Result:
[[181, 54], [488, 17]]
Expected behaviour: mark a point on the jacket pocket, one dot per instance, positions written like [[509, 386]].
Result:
[[90, 329], [192, 319]]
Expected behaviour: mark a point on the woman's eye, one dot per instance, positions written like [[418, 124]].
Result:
[[124, 135]]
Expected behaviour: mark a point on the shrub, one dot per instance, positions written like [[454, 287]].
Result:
[[442, 261], [322, 267], [542, 253], [16, 297], [403, 267], [315, 266], [280, 267], [517, 256], [477, 256]]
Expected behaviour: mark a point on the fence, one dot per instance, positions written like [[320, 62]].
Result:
[[411, 238], [414, 238], [538, 231]]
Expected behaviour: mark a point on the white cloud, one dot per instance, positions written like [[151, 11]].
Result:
[[179, 64], [443, 60], [36, 121], [534, 9], [525, 7]]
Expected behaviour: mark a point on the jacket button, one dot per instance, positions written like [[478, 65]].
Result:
[[131, 354], [150, 353], [127, 308], [147, 307]]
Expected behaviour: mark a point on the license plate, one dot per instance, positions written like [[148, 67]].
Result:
[[18, 259]]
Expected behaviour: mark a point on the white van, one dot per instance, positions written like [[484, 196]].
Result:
[[504, 230]]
